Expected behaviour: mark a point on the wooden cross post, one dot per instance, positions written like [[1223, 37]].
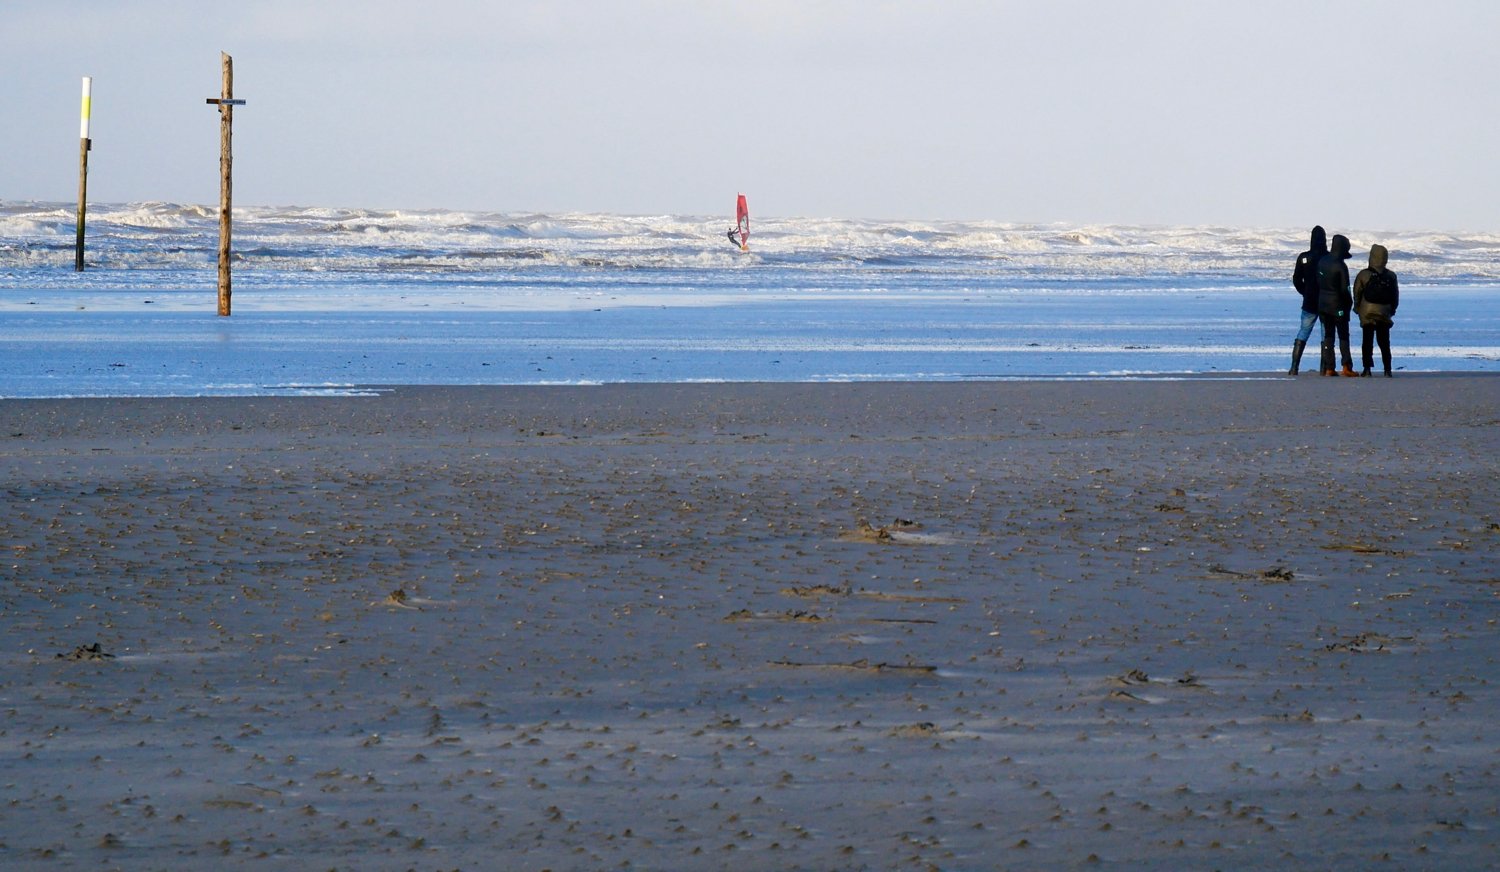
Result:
[[226, 104], [84, 144]]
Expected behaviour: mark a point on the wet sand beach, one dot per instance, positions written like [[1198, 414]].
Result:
[[1209, 623]]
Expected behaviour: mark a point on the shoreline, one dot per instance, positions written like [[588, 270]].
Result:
[[820, 625], [371, 389]]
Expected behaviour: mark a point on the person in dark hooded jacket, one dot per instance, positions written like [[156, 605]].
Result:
[[1376, 296], [1305, 280], [1334, 303]]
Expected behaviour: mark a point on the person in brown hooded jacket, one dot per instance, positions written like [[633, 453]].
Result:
[[1376, 296]]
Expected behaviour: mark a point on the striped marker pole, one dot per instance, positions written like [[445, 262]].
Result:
[[84, 144]]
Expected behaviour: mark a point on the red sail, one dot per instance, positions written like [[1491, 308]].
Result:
[[742, 219]]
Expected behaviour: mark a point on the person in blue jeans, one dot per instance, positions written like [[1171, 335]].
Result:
[[1305, 280]]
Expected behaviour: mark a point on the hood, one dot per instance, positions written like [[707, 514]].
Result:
[[1340, 246], [1319, 239], [1377, 258]]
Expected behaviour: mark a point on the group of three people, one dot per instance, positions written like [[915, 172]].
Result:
[[1323, 280]]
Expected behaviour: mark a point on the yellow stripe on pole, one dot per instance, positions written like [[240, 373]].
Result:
[[83, 121]]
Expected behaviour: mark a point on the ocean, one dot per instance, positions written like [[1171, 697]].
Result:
[[344, 301]]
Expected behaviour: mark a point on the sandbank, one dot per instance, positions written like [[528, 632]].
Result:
[[1191, 623]]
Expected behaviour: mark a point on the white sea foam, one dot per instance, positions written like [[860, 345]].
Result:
[[320, 239]]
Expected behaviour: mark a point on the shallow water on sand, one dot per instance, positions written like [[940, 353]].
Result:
[[332, 300]]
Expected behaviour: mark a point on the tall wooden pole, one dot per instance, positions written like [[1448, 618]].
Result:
[[226, 129], [84, 144], [226, 103]]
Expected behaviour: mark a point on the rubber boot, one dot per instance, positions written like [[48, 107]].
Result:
[[1297, 346], [1325, 366]]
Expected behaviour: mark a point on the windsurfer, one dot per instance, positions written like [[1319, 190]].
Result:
[[740, 235]]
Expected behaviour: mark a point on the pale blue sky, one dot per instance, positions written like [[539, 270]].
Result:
[[1351, 114]]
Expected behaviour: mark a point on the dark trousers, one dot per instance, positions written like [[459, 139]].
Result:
[[1334, 325], [1381, 335]]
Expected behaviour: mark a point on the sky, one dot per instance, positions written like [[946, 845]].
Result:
[[1180, 112]]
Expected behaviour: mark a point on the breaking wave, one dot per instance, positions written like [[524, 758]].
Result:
[[323, 239]]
